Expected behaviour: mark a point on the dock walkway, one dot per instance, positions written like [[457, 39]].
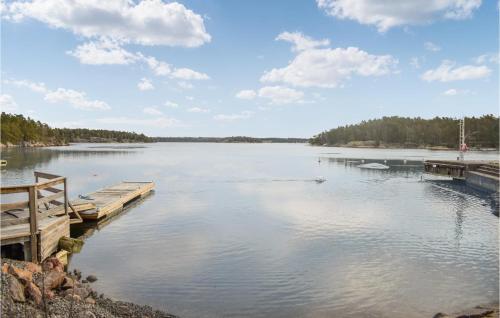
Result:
[[44, 215], [477, 173], [109, 200]]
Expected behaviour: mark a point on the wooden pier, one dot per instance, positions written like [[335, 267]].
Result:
[[108, 201], [477, 173], [43, 216], [39, 220]]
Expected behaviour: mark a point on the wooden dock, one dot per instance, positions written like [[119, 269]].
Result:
[[110, 200], [478, 173], [35, 224], [39, 220]]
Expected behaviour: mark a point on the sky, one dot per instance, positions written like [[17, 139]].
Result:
[[257, 68]]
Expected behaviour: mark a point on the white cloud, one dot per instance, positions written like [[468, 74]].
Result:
[[152, 111], [7, 103], [301, 42], [429, 46], [330, 67], [281, 95], [387, 14], [448, 72], [189, 97], [161, 122], [103, 52], [415, 62], [160, 68], [148, 22], [246, 94], [198, 110], [451, 92], [232, 117], [61, 95], [487, 58], [76, 99], [185, 85], [35, 87], [171, 104], [189, 74], [145, 84], [109, 52]]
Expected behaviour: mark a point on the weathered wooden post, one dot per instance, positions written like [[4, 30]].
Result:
[[33, 207], [65, 198]]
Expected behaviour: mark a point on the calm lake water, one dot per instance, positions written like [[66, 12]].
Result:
[[242, 230]]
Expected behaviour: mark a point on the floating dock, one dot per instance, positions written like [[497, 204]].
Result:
[[35, 223], [484, 175], [33, 226], [108, 201]]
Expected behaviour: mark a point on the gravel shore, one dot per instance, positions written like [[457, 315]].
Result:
[[64, 294], [47, 291]]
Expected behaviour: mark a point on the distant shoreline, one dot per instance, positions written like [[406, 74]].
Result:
[[256, 141]]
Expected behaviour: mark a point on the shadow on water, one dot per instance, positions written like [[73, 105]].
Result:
[[463, 192], [87, 228]]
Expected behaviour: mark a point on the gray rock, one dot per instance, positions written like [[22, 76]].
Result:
[[16, 289], [91, 278]]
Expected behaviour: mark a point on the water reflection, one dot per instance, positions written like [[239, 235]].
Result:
[[240, 230]]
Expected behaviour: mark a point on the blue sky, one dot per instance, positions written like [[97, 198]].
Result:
[[256, 68]]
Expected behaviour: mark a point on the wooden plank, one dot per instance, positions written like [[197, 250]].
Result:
[[45, 175], [50, 198], [14, 189], [33, 224], [10, 222], [51, 233], [54, 190], [12, 206], [49, 183], [110, 200], [65, 197]]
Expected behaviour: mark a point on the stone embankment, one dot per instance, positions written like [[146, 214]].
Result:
[[31, 290]]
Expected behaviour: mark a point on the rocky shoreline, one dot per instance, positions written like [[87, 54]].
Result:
[[34, 144], [47, 291], [31, 290], [484, 311]]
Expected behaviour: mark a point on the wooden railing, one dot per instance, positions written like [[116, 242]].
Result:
[[55, 203]]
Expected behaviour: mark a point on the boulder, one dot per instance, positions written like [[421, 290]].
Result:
[[48, 294], [33, 268], [16, 289], [91, 278], [68, 283], [24, 275], [90, 300], [53, 280], [52, 263], [33, 292]]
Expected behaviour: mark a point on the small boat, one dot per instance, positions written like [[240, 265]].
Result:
[[3, 163], [373, 165], [319, 180]]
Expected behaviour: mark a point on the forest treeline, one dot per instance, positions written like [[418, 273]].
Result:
[[18, 130], [234, 139], [480, 132]]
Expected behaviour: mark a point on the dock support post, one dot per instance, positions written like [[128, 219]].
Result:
[[65, 197], [33, 206]]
